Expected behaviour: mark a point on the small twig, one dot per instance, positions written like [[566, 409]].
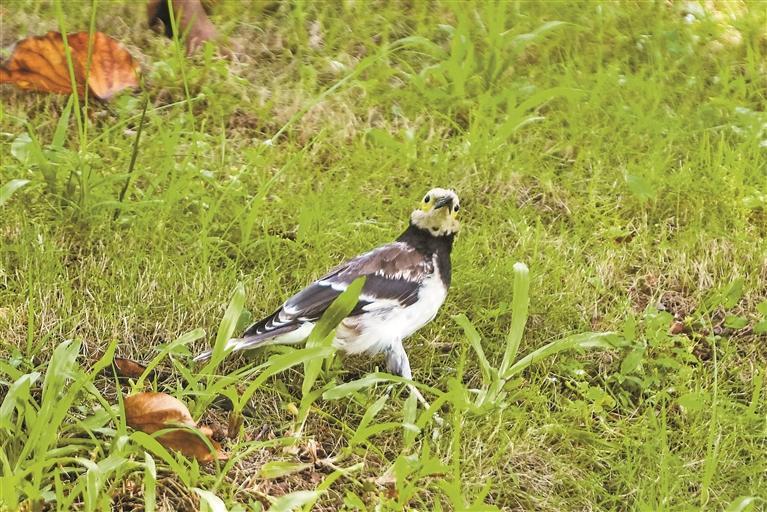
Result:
[[133, 158]]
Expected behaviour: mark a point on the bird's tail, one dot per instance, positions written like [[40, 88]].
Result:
[[237, 344], [259, 334]]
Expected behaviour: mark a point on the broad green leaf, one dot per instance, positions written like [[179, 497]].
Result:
[[640, 187], [97, 420], [693, 401], [26, 150], [9, 188], [293, 500], [762, 308], [733, 293], [744, 503], [246, 318], [61, 368], [728, 296], [630, 329], [16, 398], [209, 501], [632, 361], [354, 502], [735, 322]]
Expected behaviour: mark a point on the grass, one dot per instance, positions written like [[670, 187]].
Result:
[[619, 150]]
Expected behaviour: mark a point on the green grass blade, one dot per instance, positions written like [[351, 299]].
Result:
[[10, 188], [226, 329], [150, 483], [17, 397], [323, 332], [744, 503], [60, 135], [372, 379], [151, 444], [282, 362], [182, 340], [519, 305], [476, 343], [586, 340]]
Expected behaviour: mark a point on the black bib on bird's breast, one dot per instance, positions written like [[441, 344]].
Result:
[[429, 245]]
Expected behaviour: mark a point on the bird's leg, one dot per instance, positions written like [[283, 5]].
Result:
[[398, 363]]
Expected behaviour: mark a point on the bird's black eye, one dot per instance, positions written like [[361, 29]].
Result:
[[426, 199], [456, 208]]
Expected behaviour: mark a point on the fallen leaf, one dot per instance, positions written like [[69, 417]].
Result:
[[128, 368], [151, 412], [192, 21], [676, 328], [39, 63]]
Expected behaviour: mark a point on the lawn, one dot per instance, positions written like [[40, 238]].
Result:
[[618, 150]]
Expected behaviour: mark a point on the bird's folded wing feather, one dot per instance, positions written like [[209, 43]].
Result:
[[394, 273]]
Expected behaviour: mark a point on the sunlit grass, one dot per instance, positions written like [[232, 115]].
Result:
[[617, 150]]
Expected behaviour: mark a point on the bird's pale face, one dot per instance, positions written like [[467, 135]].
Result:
[[438, 212]]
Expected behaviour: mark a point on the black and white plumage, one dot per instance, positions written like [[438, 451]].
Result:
[[406, 283]]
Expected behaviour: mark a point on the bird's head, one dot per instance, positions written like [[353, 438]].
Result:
[[438, 212]]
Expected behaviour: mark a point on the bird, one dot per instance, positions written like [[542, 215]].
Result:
[[406, 283]]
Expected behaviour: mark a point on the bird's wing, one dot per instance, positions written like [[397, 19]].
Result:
[[394, 273]]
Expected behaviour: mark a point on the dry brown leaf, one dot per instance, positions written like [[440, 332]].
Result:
[[152, 411], [677, 328], [128, 368], [39, 63], [192, 21]]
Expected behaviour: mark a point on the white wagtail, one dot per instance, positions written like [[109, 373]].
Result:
[[406, 283]]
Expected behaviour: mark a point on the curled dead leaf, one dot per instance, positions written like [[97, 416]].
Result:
[[676, 328], [39, 63], [151, 412], [192, 21], [128, 368]]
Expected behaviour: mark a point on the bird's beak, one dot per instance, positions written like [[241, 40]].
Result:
[[447, 200]]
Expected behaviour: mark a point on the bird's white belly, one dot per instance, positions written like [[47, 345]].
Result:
[[380, 327]]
